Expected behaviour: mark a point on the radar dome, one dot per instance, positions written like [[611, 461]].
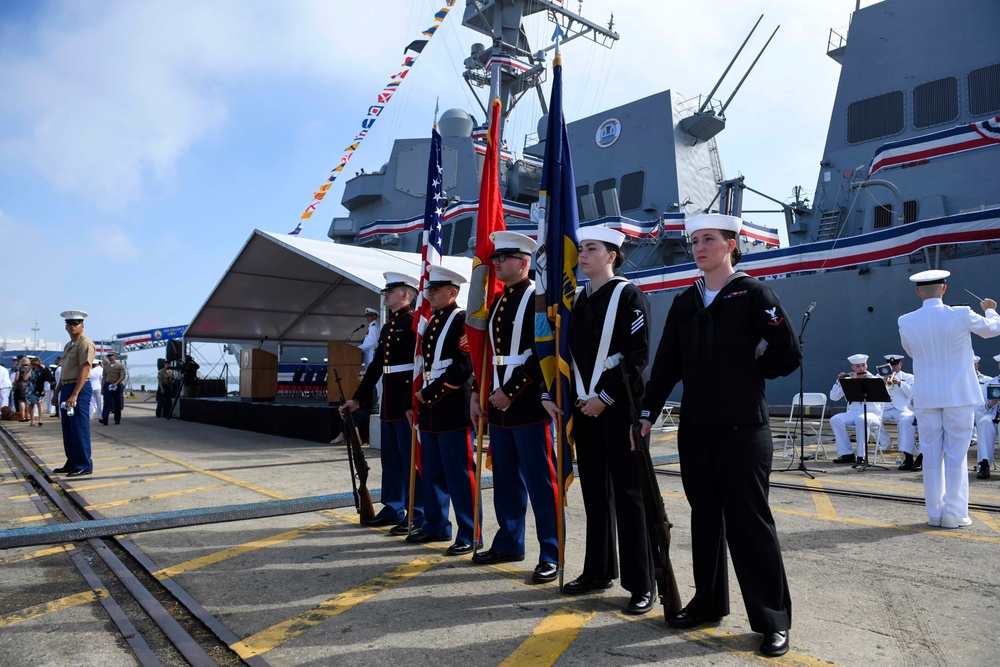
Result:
[[456, 123]]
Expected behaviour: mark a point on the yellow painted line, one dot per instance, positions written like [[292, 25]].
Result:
[[108, 485], [916, 488], [155, 496], [42, 553], [49, 607], [23, 496], [989, 521], [132, 467], [233, 552], [117, 457], [224, 478], [549, 638], [956, 533], [276, 635], [824, 506], [29, 519]]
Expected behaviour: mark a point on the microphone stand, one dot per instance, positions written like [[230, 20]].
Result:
[[802, 428]]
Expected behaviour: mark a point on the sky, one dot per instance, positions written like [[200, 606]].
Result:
[[141, 143]]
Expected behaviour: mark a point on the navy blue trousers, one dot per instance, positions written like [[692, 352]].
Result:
[[524, 466], [395, 456], [76, 429], [113, 401], [449, 477]]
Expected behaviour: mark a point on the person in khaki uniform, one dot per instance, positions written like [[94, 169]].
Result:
[[113, 390], [75, 393], [164, 391]]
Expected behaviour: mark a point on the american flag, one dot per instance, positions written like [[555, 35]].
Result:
[[430, 255]]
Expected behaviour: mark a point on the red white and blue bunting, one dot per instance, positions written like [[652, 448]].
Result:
[[920, 150]]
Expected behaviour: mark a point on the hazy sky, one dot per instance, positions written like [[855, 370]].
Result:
[[142, 142]]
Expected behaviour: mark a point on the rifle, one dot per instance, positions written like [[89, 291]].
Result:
[[355, 455], [657, 523]]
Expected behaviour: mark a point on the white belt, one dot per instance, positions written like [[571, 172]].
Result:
[[398, 368], [437, 369], [513, 359]]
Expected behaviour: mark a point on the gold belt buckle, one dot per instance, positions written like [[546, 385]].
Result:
[[427, 376], [385, 370]]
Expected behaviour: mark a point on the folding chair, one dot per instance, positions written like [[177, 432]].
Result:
[[810, 425], [667, 422]]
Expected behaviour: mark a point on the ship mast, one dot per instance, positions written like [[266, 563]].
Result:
[[500, 21]]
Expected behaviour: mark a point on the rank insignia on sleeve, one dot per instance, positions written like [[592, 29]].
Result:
[[775, 318], [463, 343]]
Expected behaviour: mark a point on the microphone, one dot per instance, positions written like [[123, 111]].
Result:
[[810, 308], [261, 343], [360, 327]]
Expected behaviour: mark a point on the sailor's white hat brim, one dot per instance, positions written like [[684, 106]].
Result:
[[996, 358], [73, 314], [858, 358], [505, 243], [371, 311], [440, 276], [931, 277], [599, 233], [975, 359], [729, 223]]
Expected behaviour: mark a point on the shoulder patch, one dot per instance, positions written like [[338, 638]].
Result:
[[463, 343]]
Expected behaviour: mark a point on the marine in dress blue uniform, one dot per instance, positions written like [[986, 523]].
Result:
[[393, 362], [521, 447], [448, 465], [75, 392]]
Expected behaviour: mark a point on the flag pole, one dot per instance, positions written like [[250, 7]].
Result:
[[413, 477], [480, 427], [560, 436]]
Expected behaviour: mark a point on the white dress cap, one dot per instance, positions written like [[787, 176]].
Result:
[[932, 277], [858, 358], [599, 233], [975, 359], [395, 279], [507, 243], [371, 311], [440, 276], [729, 223], [73, 314], [304, 359], [894, 357]]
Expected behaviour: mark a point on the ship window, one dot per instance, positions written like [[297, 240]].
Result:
[[631, 194], [883, 216], [875, 117], [984, 90], [445, 237], [581, 192], [910, 211], [460, 235], [599, 187], [935, 102]]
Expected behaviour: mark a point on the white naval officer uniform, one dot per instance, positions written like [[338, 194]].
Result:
[[5, 385], [945, 391], [370, 342], [854, 417], [96, 380], [899, 411], [984, 421]]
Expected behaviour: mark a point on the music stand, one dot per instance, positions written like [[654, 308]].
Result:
[[862, 390]]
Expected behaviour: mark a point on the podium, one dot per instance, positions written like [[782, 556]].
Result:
[[258, 375], [346, 359]]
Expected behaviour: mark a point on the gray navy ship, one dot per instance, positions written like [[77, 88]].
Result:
[[907, 180]]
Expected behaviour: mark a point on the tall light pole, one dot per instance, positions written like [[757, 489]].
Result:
[[36, 330]]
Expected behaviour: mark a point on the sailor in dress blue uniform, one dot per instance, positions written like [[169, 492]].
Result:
[[521, 448]]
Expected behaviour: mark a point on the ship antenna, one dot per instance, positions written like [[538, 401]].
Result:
[[437, 106], [752, 65], [708, 98]]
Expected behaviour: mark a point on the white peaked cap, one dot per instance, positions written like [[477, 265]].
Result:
[[858, 358], [440, 275], [371, 311], [599, 233], [895, 357], [73, 314], [304, 359], [931, 277], [395, 279], [729, 223], [510, 242]]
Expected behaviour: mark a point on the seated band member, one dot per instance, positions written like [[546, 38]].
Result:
[[448, 466], [855, 415], [986, 423], [900, 386], [980, 409], [521, 448]]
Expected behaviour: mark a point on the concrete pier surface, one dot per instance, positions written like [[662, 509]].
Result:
[[871, 583]]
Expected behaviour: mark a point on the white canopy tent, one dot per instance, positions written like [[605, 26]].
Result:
[[289, 291]]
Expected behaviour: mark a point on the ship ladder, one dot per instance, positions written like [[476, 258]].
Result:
[[828, 225]]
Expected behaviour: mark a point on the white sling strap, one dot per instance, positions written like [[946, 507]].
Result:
[[513, 359], [439, 365], [603, 362]]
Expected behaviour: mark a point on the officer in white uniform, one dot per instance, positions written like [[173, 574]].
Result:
[[900, 386], [855, 415], [96, 378], [945, 392], [986, 421], [370, 342], [5, 386]]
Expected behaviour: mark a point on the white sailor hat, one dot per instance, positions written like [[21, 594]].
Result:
[[975, 358], [73, 315], [440, 276], [371, 311], [599, 233], [932, 277], [97, 360], [324, 360], [728, 223], [304, 359], [893, 358], [996, 358], [396, 279], [511, 243], [858, 358]]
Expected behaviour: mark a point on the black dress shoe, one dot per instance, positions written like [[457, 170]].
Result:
[[907, 464], [689, 618], [544, 573], [918, 463], [774, 643], [984, 470], [582, 585], [61, 470], [78, 472], [489, 557], [640, 603], [376, 521], [103, 421], [459, 549], [420, 537], [846, 458], [402, 528]]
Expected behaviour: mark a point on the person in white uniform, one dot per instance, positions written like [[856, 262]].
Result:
[[5, 386], [980, 409], [986, 421], [855, 415], [900, 386], [945, 391], [96, 377], [370, 342]]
